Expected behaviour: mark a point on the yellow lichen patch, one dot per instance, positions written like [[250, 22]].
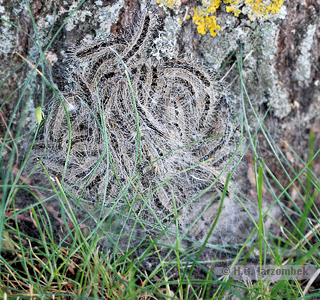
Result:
[[253, 8], [233, 7], [204, 20], [172, 4], [259, 8]]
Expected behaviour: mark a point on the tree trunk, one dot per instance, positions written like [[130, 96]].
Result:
[[281, 60]]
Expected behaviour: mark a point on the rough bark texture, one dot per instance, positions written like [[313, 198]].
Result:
[[285, 48], [281, 67]]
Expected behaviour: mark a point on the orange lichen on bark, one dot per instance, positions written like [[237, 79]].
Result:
[[253, 8], [204, 17]]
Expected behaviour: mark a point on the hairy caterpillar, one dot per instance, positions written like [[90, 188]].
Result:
[[150, 157]]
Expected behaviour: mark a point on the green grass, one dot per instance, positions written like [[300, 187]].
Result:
[[35, 264]]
